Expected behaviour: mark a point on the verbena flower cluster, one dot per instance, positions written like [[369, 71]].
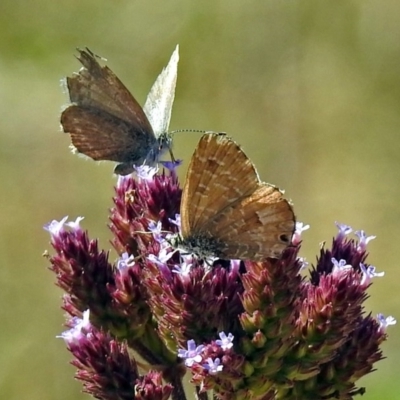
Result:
[[242, 329]]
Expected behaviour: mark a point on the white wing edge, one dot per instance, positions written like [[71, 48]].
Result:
[[158, 106]]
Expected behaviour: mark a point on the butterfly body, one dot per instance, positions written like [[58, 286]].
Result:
[[227, 209]]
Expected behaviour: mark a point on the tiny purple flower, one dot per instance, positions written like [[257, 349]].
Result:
[[122, 179], [125, 261], [225, 342], [76, 332], [235, 266], [176, 221], [155, 229], [303, 263], [145, 172], [171, 165], [340, 265], [368, 274], [385, 322], [162, 257], [192, 354], [363, 240], [213, 366], [344, 230], [74, 225], [55, 227], [300, 228], [184, 268]]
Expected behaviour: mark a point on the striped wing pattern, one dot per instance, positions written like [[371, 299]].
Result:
[[224, 199]]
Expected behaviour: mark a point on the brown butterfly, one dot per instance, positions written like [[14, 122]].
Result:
[[226, 211], [105, 121]]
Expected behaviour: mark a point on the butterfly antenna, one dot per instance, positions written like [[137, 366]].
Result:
[[195, 131]]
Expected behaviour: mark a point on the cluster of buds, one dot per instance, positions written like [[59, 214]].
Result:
[[242, 329]]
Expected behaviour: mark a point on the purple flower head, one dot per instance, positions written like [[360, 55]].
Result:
[[225, 342], [192, 354], [213, 366], [385, 322]]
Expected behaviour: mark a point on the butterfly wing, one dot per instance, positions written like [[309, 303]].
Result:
[[224, 199], [219, 174], [260, 225], [104, 137], [158, 105], [98, 88]]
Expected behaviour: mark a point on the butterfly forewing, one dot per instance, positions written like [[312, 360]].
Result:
[[98, 87], [219, 174], [224, 199]]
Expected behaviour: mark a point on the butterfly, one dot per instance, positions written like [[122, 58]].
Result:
[[105, 122], [226, 211]]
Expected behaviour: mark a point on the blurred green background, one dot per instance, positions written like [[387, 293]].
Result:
[[310, 89]]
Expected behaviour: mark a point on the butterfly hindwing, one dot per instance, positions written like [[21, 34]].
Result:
[[261, 224], [98, 135]]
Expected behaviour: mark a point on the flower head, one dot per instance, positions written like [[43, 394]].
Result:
[[243, 329]]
